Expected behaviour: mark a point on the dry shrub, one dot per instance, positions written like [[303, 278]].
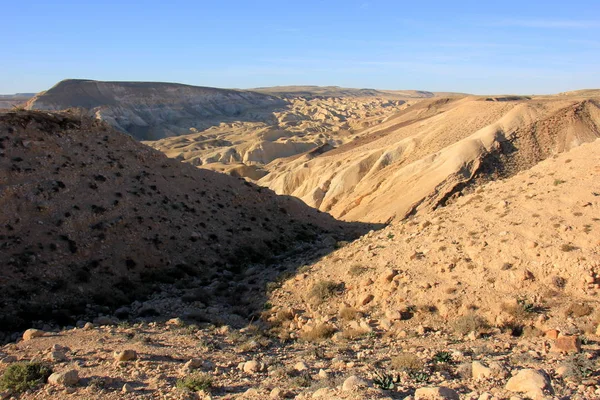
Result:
[[357, 269], [319, 333], [353, 333], [323, 290], [469, 323], [281, 317], [408, 362], [567, 247], [349, 314]]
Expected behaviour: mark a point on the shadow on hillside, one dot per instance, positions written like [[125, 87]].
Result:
[[238, 294], [113, 228]]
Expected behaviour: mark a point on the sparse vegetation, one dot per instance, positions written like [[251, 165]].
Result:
[[322, 290], [319, 333], [357, 269], [579, 367], [469, 323], [408, 362], [442, 357], [196, 382], [384, 380], [19, 377], [567, 247], [349, 314]]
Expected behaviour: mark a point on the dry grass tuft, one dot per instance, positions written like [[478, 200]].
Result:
[[408, 362], [318, 333], [322, 290], [469, 323], [349, 314]]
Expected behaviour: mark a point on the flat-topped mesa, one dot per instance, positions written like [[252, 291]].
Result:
[[154, 110]]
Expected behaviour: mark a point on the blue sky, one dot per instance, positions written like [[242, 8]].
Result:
[[480, 47]]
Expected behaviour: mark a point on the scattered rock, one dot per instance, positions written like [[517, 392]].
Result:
[[66, 378], [125, 355], [32, 334], [353, 383], [252, 366], [300, 366], [566, 344], [551, 334], [365, 299], [534, 383], [127, 388], [436, 393]]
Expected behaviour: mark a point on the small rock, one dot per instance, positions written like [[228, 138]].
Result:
[[365, 299], [125, 355], [175, 321], [566, 344], [323, 374], [32, 333], [251, 366], [322, 393], [436, 393], [389, 275], [88, 326], [127, 388], [534, 383], [300, 366], [551, 334], [353, 383], [277, 393], [480, 371], [252, 393], [192, 364], [66, 378], [57, 356]]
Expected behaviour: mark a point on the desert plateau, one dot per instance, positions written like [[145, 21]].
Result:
[[310, 200]]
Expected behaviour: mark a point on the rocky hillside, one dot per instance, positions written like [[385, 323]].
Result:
[[153, 110], [417, 159], [494, 296], [90, 217]]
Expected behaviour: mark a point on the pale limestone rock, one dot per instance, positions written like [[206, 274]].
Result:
[[65, 378], [436, 393], [125, 355], [32, 334], [353, 383], [534, 383]]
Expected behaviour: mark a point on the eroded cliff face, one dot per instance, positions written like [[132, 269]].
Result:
[[151, 110]]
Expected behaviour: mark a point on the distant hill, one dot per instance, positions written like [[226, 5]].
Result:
[[14, 100], [154, 110], [336, 91]]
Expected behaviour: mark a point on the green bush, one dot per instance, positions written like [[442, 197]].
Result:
[[196, 382], [19, 377]]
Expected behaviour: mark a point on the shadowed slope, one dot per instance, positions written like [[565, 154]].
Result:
[[89, 215]]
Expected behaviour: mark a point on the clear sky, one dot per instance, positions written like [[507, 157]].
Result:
[[525, 46]]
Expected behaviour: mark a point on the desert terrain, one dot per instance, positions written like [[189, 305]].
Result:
[[299, 242]]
